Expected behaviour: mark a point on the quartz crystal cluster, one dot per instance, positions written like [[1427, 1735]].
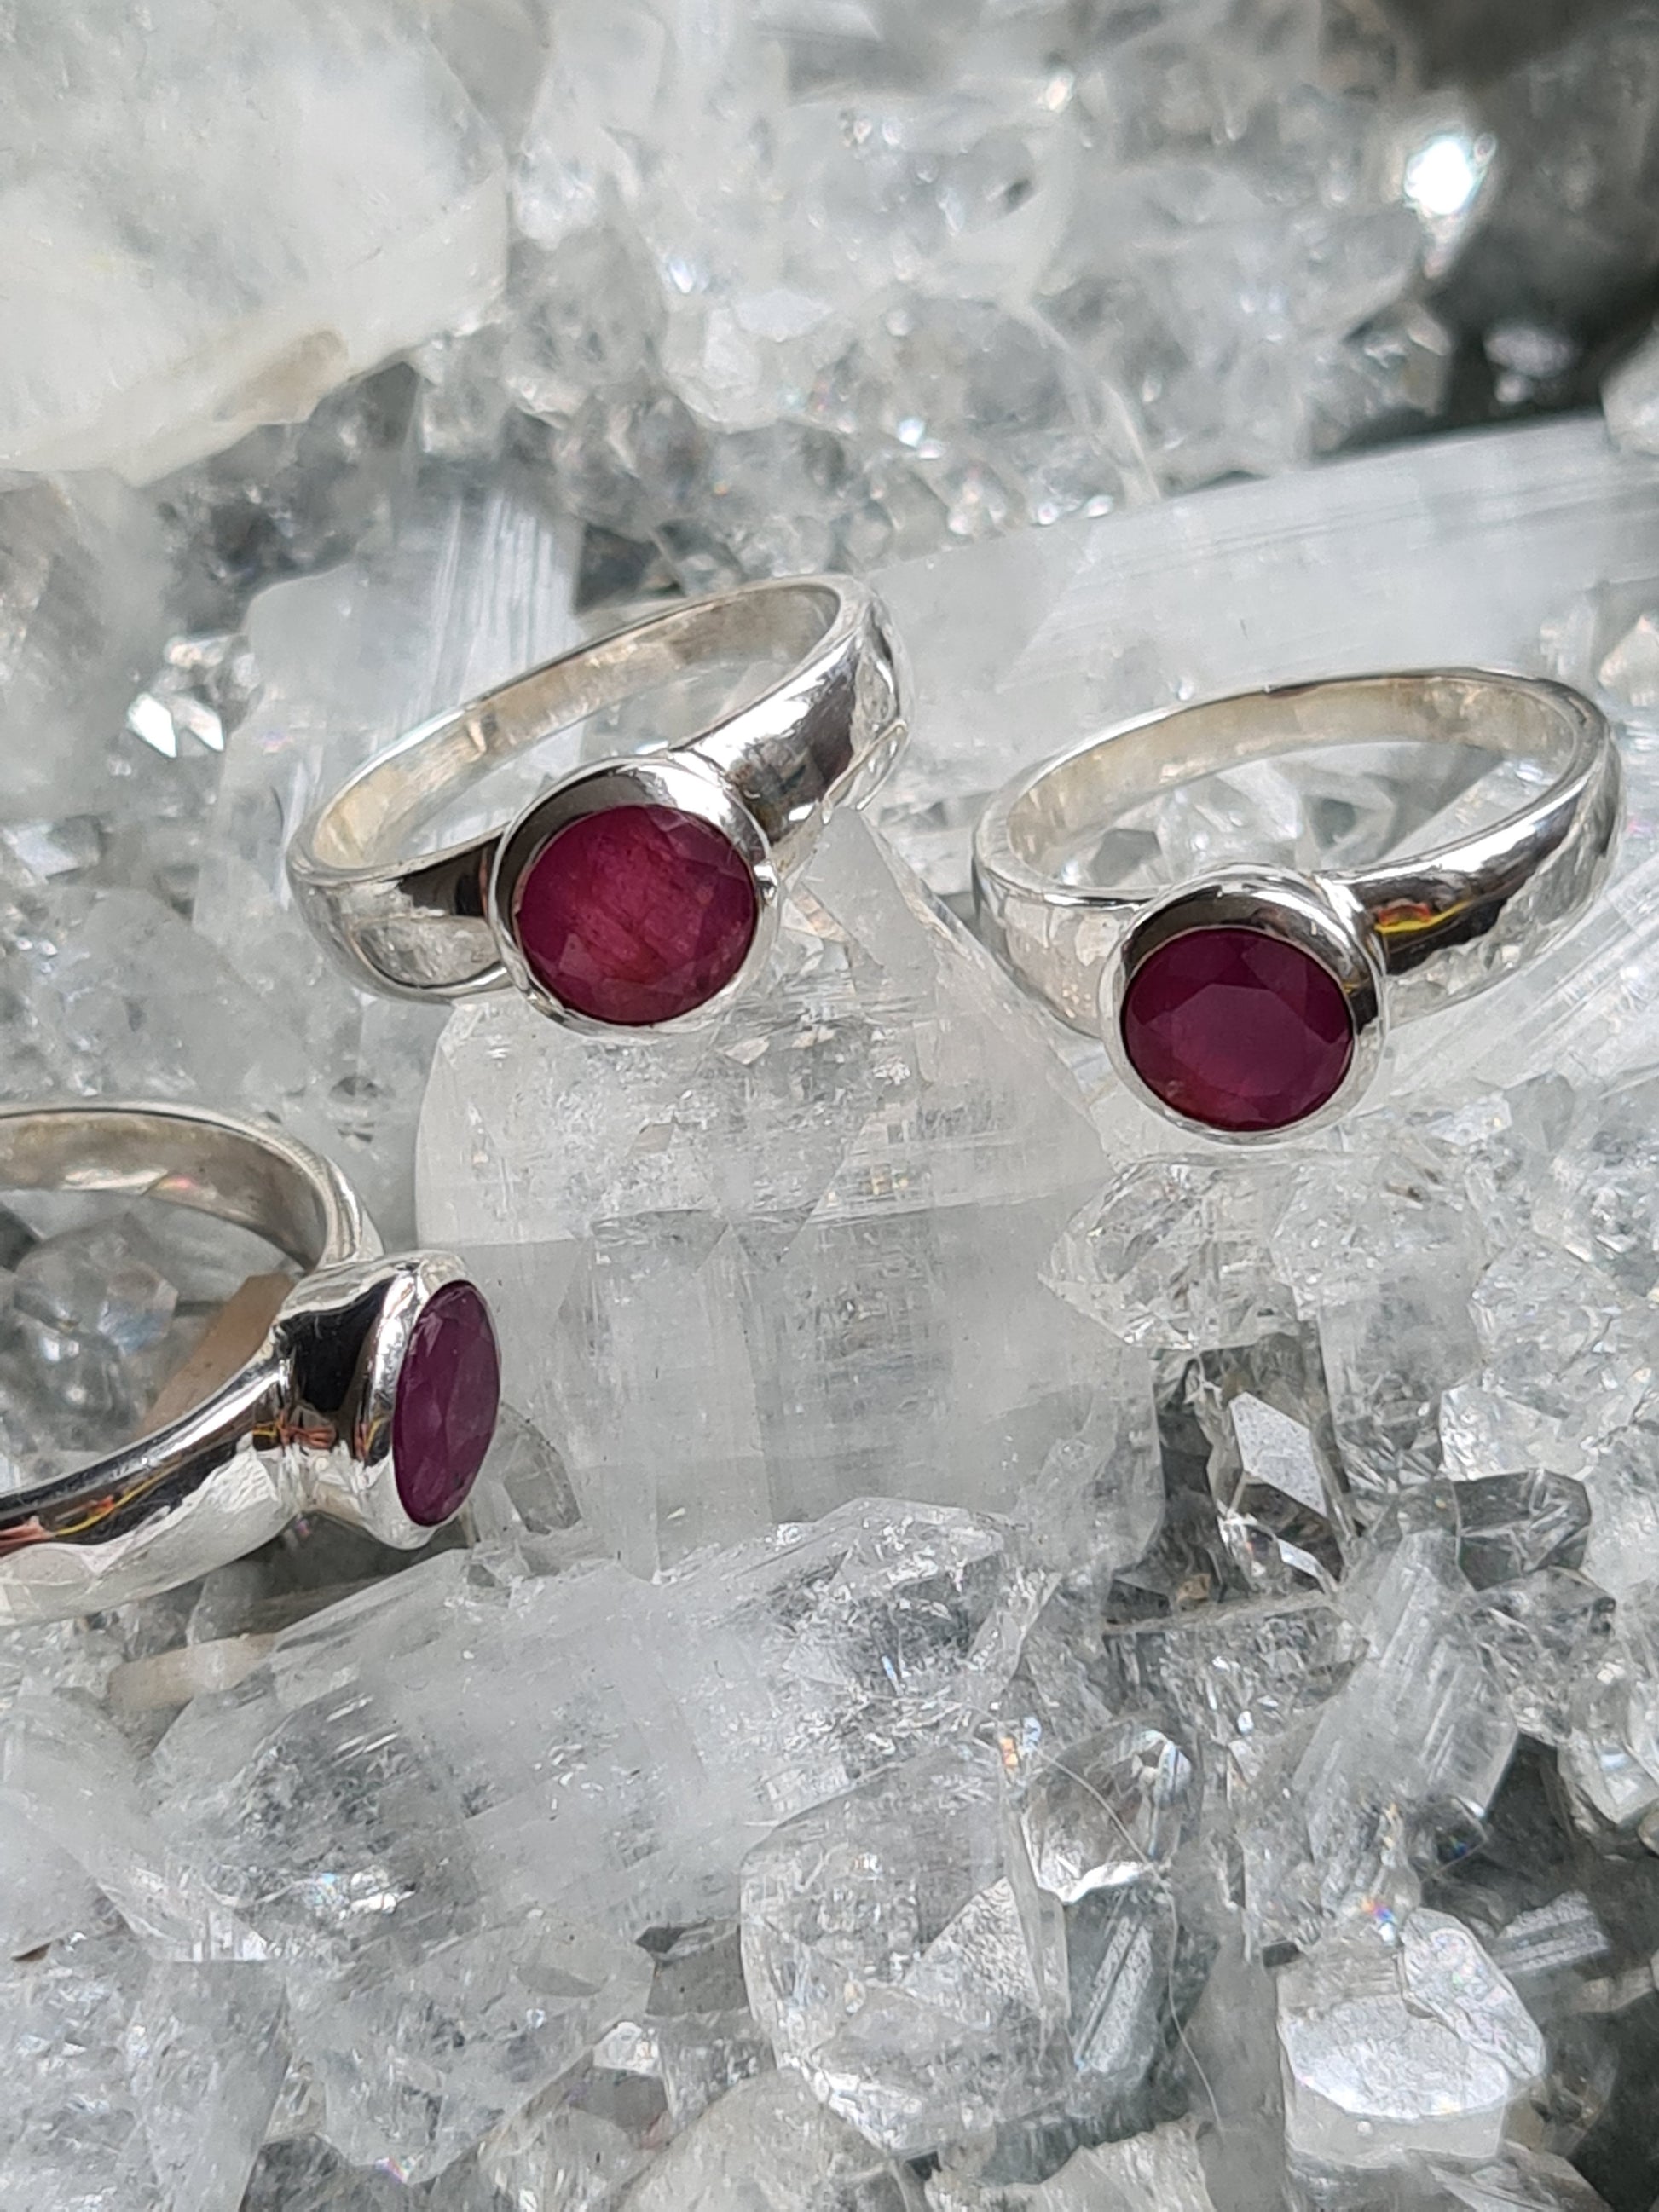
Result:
[[1001, 1661], [760, 288]]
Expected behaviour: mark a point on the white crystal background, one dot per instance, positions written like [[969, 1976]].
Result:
[[1002, 1659]]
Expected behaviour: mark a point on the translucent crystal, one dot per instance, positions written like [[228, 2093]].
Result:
[[1611, 1750], [1421, 1723], [1235, 1676], [901, 1956], [116, 995], [1284, 1509], [769, 2144], [1520, 2181], [702, 2036], [1160, 2166], [73, 1800], [1174, 1254], [818, 1226], [1394, 1328], [1106, 1810], [466, 586], [1607, 1175], [1232, 2049], [1121, 1961], [85, 582], [1622, 1482], [1401, 2043], [371, 1803], [578, 2143], [140, 2083], [461, 2038], [292, 497], [85, 1337], [233, 307], [1511, 1526], [1026, 646], [1548, 1320]]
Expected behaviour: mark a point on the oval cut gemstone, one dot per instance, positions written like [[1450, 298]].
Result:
[[635, 914], [443, 1413], [1236, 1029]]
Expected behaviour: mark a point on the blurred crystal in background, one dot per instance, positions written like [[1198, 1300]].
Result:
[[1000, 1660]]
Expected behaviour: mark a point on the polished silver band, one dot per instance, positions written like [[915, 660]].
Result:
[[765, 774], [1402, 938], [304, 1425]]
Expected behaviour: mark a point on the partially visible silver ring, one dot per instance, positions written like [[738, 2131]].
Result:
[[372, 1398], [681, 897], [1254, 1001]]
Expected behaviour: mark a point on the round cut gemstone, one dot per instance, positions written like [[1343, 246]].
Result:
[[636, 914], [443, 1416], [1236, 1029]]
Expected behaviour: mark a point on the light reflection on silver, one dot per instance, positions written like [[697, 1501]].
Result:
[[768, 771], [1402, 936], [304, 1425]]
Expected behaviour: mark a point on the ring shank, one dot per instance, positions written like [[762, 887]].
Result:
[[241, 1173], [364, 825], [1444, 924], [800, 741], [214, 1482], [1508, 717]]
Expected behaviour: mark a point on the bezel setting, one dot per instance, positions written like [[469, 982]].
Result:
[[1300, 911], [676, 780], [343, 1385]]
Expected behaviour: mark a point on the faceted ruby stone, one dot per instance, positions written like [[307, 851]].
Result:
[[443, 1416], [635, 914], [1236, 1029]]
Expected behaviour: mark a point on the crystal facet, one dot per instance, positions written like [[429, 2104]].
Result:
[[902, 1957]]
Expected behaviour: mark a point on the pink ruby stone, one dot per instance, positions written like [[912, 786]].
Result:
[[448, 1394], [635, 914], [1236, 1029]]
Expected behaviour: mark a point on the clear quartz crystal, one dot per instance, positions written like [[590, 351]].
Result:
[[85, 581], [796, 1254], [465, 586], [233, 306], [371, 1803], [1301, 1484], [1421, 1724], [769, 2144], [1160, 2166], [140, 2082], [1607, 1178], [1106, 1810], [902, 1957], [1401, 2041]]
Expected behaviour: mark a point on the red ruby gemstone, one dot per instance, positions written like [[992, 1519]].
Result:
[[448, 1394], [635, 914], [1236, 1029]]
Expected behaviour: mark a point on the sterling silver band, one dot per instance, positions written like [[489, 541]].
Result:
[[1401, 938], [765, 776], [305, 1424]]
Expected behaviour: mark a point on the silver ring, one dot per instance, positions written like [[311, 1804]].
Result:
[[1255, 1001], [639, 892], [371, 1398]]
